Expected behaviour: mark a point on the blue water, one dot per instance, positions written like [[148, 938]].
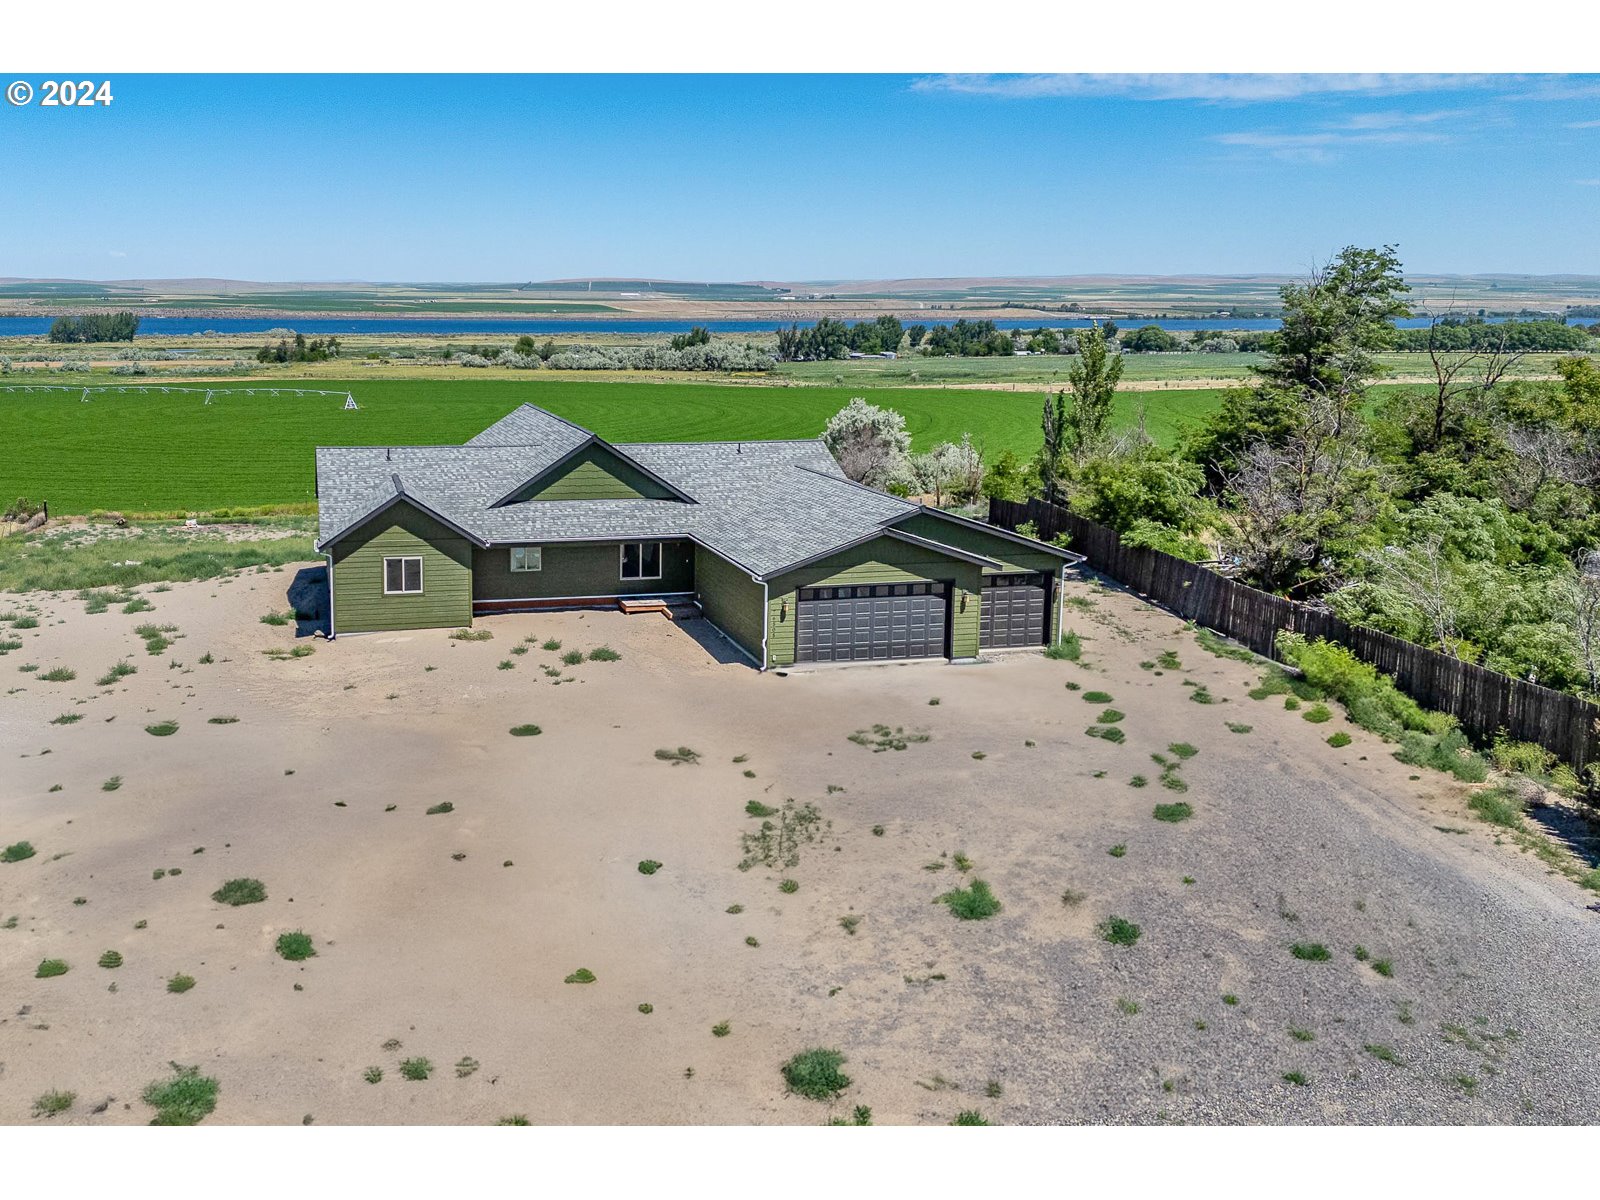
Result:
[[482, 326]]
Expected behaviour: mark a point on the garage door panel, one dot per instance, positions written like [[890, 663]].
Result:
[[1014, 610], [870, 622]]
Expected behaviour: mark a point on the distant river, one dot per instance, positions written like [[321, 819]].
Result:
[[476, 326]]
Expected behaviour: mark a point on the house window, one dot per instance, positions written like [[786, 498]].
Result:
[[641, 560], [402, 576], [527, 558]]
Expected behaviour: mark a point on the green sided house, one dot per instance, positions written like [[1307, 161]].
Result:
[[790, 560]]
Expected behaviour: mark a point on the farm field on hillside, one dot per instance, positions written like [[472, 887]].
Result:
[[148, 452], [1163, 369]]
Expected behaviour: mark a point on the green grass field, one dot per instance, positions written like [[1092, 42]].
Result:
[[154, 453]]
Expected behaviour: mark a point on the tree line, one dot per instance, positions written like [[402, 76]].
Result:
[[299, 350], [1462, 514], [95, 327]]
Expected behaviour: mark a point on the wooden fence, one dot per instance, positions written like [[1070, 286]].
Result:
[[1484, 701]]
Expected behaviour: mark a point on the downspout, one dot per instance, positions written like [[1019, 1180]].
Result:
[[1061, 605], [766, 621], [328, 554]]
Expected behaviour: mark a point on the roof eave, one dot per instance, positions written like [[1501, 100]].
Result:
[[1071, 556]]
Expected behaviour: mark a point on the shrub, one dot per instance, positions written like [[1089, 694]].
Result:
[[581, 975], [649, 867], [472, 635], [1525, 758], [186, 1099], [1068, 649], [1369, 697], [111, 784], [721, 1029], [60, 675], [1138, 781], [53, 1104], [1118, 932], [789, 887], [162, 729], [815, 1074], [222, 720], [1339, 740], [17, 851], [681, 755], [755, 808], [970, 1116], [975, 902], [111, 959], [179, 984], [434, 810], [1173, 813], [1097, 697], [572, 657], [525, 731], [50, 968], [1317, 714], [1498, 806], [1110, 716], [296, 946], [240, 891], [373, 1074], [1446, 751], [603, 654], [1109, 733], [1183, 749], [1310, 951], [416, 1069], [67, 718]]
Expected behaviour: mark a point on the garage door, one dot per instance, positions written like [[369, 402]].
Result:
[[1014, 611], [881, 621]]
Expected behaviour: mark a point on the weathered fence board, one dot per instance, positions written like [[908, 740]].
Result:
[[1484, 701]]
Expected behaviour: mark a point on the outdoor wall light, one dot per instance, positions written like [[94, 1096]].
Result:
[[783, 611]]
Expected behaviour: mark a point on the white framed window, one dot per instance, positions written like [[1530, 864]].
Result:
[[641, 560], [527, 558], [402, 576]]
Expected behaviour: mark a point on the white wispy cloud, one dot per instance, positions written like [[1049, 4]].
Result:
[[1218, 88], [1583, 124], [117, 253], [1587, 182], [1327, 141], [1400, 120], [1322, 146]]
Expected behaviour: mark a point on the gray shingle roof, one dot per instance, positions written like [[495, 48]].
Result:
[[762, 505]]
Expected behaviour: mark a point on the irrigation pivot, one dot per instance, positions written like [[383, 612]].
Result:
[[165, 390]]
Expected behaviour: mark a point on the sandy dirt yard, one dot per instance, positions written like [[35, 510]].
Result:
[[448, 935]]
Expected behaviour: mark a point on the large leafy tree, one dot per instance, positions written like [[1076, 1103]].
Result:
[[1291, 455]]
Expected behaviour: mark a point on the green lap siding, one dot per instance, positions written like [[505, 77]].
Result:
[[594, 474], [882, 560], [730, 598], [1015, 555], [572, 570], [359, 602]]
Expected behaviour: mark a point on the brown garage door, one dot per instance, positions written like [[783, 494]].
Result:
[[1014, 611], [877, 621]]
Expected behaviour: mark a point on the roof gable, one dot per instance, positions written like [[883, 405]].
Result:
[[594, 470]]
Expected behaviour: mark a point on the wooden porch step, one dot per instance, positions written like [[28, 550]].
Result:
[[650, 605]]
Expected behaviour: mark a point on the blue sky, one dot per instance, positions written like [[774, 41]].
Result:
[[455, 178]]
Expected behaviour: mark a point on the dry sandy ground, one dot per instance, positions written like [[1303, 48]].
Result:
[[1491, 1011]]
